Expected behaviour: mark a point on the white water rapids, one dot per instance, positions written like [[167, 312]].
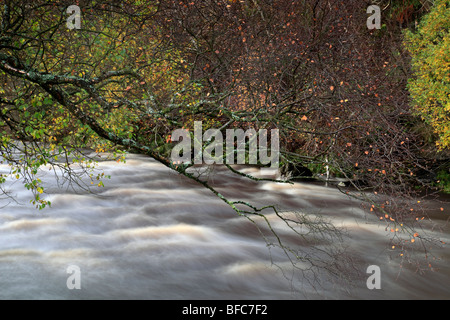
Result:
[[152, 234]]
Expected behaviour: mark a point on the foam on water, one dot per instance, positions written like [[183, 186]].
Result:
[[152, 234]]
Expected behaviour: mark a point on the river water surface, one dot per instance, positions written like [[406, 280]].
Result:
[[151, 234]]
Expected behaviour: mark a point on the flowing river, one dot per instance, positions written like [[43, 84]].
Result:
[[152, 234]]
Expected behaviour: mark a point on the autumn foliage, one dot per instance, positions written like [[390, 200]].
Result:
[[138, 70], [429, 47]]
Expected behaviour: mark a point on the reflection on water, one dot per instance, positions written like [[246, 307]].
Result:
[[151, 234]]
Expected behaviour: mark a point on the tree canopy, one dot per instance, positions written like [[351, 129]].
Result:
[[135, 71]]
